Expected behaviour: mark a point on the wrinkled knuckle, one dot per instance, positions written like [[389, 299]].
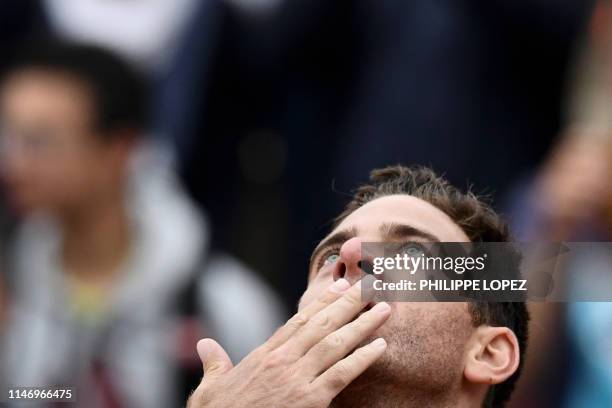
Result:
[[298, 320], [323, 348], [323, 322], [276, 359], [332, 342], [339, 379], [353, 299], [327, 297]]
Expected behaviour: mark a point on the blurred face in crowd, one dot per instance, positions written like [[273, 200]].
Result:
[[53, 157], [428, 343]]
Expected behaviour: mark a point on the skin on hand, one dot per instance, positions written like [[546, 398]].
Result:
[[306, 363]]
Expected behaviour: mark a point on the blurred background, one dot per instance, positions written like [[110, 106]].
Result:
[[153, 151]]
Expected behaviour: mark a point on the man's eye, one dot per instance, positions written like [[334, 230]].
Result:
[[413, 249], [330, 259]]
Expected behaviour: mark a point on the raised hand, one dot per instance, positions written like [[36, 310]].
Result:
[[305, 364]]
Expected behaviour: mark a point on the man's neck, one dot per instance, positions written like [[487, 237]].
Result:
[[96, 240], [390, 400], [404, 397]]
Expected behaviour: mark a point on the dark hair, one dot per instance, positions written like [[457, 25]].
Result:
[[480, 223], [119, 91]]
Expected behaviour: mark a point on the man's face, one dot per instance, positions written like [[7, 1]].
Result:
[[51, 157], [424, 338]]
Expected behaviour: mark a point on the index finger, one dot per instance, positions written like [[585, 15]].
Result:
[[328, 320], [299, 319]]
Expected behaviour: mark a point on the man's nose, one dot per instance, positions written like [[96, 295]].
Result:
[[349, 265]]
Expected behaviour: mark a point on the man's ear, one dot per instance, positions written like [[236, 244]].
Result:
[[493, 355]]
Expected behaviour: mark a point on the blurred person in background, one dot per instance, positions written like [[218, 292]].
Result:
[[109, 251], [570, 199], [145, 32]]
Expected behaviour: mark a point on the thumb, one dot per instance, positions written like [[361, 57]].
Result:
[[214, 359]]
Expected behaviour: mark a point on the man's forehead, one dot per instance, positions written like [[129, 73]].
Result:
[[402, 210]]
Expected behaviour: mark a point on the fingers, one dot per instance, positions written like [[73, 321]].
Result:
[[302, 317], [214, 359], [338, 344], [326, 321], [341, 374]]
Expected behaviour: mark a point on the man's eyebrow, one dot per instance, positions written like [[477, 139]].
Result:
[[396, 231], [337, 238]]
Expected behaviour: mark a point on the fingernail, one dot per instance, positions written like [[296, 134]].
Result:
[[379, 343], [340, 286], [382, 307], [358, 285]]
